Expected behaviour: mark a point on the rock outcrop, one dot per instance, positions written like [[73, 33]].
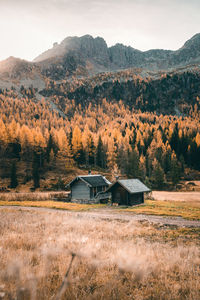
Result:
[[84, 56], [96, 51]]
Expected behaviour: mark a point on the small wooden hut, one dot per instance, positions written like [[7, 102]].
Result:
[[89, 189], [128, 192]]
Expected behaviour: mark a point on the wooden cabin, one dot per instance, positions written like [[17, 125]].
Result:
[[128, 192], [89, 189]]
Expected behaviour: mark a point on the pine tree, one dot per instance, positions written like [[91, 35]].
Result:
[[175, 170], [100, 154], [13, 176], [133, 164], [49, 147], [142, 168], [157, 175], [77, 146], [35, 171]]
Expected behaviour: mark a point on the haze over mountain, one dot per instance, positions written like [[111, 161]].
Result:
[[87, 70], [96, 51], [84, 56]]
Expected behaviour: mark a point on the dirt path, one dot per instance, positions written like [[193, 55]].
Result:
[[108, 213], [111, 214]]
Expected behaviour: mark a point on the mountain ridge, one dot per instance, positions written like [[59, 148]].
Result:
[[121, 56], [86, 56]]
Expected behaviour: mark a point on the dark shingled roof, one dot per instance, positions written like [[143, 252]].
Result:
[[92, 180], [132, 185]]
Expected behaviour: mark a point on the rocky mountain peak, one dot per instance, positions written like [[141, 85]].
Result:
[[86, 46], [194, 41], [86, 55]]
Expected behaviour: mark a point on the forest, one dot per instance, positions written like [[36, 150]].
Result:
[[166, 93], [106, 136]]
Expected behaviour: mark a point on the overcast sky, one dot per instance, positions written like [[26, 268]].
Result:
[[28, 28]]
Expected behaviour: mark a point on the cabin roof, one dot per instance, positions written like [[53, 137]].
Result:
[[132, 186], [92, 180]]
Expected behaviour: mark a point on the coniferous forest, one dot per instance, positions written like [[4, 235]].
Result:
[[107, 136]]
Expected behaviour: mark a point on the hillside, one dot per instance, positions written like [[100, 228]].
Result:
[[87, 70], [117, 110], [38, 145]]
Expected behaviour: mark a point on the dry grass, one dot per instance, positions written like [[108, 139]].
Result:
[[112, 259], [176, 196], [52, 204], [36, 196], [187, 210]]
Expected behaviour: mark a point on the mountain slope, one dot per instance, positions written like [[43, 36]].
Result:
[[87, 70], [96, 52], [86, 56]]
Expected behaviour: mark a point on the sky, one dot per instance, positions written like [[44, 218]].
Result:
[[28, 28]]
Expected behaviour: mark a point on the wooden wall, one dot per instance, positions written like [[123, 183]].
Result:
[[80, 191], [121, 196], [135, 199]]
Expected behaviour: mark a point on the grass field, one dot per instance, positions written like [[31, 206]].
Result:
[[109, 259], [176, 196], [52, 204], [188, 210]]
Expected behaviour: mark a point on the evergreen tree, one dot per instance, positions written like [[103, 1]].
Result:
[[100, 154], [157, 175], [121, 159], [133, 165], [35, 171], [77, 146], [142, 168], [49, 147], [175, 170], [13, 176], [182, 164], [174, 141]]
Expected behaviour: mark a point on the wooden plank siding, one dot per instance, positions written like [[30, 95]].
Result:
[[135, 199], [121, 196], [80, 190]]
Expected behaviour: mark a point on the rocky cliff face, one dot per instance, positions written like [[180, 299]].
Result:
[[84, 56], [95, 51]]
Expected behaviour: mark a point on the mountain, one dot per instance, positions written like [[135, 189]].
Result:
[[86, 56], [95, 56], [87, 70]]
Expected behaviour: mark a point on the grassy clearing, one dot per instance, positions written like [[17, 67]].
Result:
[[112, 260], [190, 210], [35, 196], [53, 204]]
